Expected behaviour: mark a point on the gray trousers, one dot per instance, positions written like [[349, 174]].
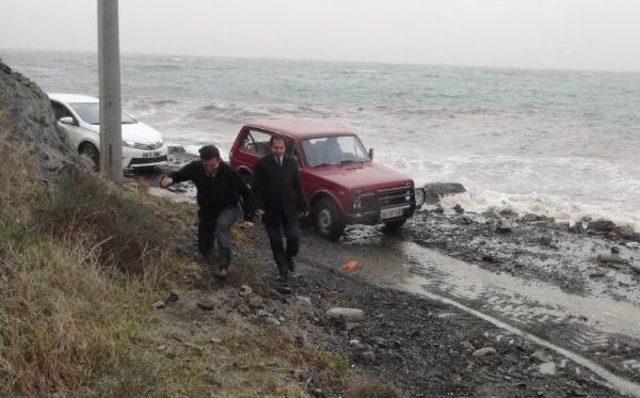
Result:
[[214, 232]]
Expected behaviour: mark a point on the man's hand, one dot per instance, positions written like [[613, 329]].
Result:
[[247, 225], [165, 181]]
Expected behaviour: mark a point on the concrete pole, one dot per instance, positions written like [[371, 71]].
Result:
[[109, 87]]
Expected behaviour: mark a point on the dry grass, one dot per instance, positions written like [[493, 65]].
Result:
[[125, 232], [68, 319], [372, 389]]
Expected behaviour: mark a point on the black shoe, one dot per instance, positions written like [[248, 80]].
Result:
[[222, 273], [282, 277], [291, 266]]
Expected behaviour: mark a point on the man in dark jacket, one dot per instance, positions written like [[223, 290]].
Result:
[[220, 189], [278, 195]]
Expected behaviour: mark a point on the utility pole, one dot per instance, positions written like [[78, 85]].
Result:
[[109, 88]]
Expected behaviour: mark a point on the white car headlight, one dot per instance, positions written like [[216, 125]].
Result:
[[128, 143]]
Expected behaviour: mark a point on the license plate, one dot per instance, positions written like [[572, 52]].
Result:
[[150, 154], [392, 212]]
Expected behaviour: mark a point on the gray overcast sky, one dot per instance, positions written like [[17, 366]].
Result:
[[574, 34]]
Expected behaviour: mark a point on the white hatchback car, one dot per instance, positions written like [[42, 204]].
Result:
[[78, 115]]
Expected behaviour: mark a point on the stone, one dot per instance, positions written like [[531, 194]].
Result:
[[508, 213], [615, 250], [272, 321], [467, 346], [318, 393], [611, 259], [346, 314], [380, 341], [483, 352], [158, 305], [300, 308], [262, 313], [206, 305], [245, 290], [490, 214], [458, 209], [624, 231], [173, 297], [304, 300], [635, 268], [541, 357], [357, 345], [503, 228], [369, 356], [547, 368], [529, 217], [601, 225], [434, 191]]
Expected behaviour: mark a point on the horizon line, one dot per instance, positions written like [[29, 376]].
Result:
[[295, 59]]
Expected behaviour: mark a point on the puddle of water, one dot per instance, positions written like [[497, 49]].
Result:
[[516, 296]]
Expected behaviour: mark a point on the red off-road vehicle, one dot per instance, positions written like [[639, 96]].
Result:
[[340, 181]]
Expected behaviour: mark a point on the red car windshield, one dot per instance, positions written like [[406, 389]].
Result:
[[334, 150]]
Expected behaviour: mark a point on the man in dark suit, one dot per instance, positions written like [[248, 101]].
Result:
[[278, 195]]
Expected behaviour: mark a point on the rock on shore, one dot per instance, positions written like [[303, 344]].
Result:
[[27, 117]]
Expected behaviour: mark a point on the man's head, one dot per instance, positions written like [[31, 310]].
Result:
[[210, 158], [277, 143]]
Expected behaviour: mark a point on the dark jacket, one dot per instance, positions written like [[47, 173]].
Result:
[[277, 190], [223, 189]]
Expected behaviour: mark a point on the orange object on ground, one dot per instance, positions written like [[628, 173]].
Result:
[[350, 266]]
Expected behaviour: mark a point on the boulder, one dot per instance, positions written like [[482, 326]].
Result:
[[483, 352], [435, 191], [625, 232], [547, 368], [529, 217], [611, 259], [508, 213], [601, 225], [346, 314], [206, 305], [458, 209], [26, 116], [541, 357], [245, 290]]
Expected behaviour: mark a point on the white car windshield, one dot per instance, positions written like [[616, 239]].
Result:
[[334, 150], [90, 113]]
